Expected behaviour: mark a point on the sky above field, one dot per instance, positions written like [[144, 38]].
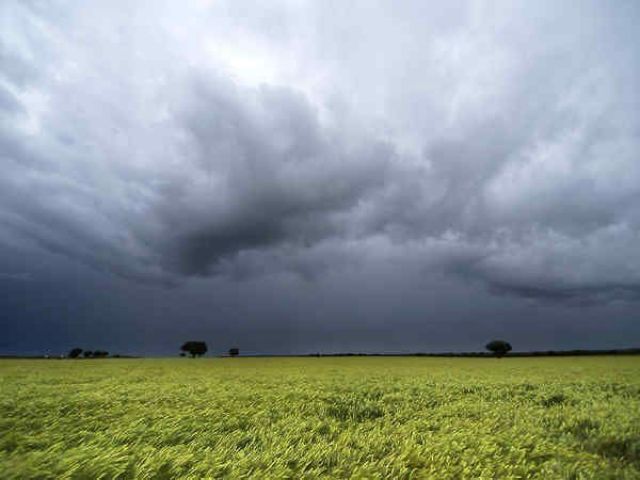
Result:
[[292, 176]]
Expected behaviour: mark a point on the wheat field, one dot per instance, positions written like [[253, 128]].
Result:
[[329, 417]]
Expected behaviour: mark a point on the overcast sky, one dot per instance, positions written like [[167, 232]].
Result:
[[299, 176]]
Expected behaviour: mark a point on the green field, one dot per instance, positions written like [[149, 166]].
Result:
[[368, 417]]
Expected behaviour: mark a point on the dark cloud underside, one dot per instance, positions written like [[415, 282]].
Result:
[[486, 144]]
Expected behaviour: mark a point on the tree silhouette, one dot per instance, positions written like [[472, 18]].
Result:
[[195, 349], [87, 353], [234, 352], [74, 353], [499, 347]]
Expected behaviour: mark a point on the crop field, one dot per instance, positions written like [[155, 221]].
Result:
[[354, 417]]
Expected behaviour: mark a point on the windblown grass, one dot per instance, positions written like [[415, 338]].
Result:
[[310, 418]]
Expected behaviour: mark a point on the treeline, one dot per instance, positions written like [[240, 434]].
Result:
[[537, 353], [80, 353], [201, 350]]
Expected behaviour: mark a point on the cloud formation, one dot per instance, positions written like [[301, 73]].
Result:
[[161, 141]]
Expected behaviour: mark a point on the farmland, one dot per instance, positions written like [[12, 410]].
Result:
[[356, 417]]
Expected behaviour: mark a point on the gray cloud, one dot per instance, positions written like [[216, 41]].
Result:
[[264, 173], [16, 277], [494, 142]]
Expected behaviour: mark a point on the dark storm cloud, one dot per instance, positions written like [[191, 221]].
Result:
[[264, 173], [494, 142]]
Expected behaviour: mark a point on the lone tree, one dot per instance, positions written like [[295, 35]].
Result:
[[74, 353], [234, 352], [499, 347], [195, 349]]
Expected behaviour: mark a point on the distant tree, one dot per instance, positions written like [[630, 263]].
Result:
[[74, 353], [100, 354], [499, 347], [87, 353], [183, 354], [234, 352], [195, 349]]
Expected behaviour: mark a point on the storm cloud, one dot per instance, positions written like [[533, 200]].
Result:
[[487, 142]]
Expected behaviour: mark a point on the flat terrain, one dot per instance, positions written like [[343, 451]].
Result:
[[440, 418]]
